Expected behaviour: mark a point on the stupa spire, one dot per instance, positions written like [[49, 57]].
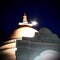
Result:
[[25, 18], [25, 21]]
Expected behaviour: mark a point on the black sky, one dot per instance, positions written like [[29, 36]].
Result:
[[46, 12]]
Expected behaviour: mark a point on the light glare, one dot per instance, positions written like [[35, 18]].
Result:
[[34, 23]]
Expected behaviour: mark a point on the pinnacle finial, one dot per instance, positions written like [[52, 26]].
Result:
[[25, 18], [25, 22]]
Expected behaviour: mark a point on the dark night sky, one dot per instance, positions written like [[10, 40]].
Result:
[[46, 12]]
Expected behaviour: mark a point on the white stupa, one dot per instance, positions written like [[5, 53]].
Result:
[[25, 30]]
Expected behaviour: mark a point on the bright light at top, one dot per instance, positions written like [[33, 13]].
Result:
[[34, 23]]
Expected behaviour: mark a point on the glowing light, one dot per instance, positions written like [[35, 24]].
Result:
[[34, 23], [28, 33]]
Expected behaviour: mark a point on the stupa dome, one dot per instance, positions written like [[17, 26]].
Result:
[[23, 32]]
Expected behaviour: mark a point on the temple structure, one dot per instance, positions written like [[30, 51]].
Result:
[[26, 43]]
